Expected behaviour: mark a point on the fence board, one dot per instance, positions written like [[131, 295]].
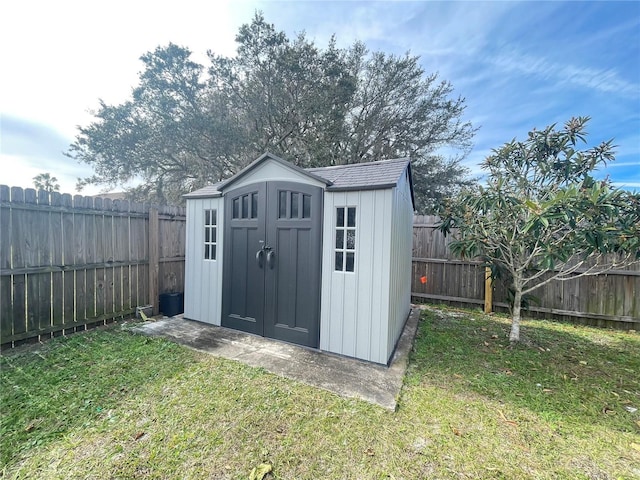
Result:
[[109, 291], [19, 297], [100, 292], [126, 289], [6, 306]]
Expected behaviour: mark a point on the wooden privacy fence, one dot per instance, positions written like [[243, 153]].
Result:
[[66, 262], [610, 299]]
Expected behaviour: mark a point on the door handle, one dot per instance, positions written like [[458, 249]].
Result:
[[259, 257], [271, 255]]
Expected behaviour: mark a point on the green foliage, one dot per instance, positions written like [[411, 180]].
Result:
[[188, 125], [542, 214], [44, 181]]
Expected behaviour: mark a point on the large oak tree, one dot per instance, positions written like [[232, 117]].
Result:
[[187, 125]]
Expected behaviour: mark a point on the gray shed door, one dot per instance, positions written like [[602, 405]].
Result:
[[272, 261]]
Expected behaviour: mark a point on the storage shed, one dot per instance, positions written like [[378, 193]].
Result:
[[318, 257]]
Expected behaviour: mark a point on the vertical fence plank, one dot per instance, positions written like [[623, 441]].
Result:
[[136, 231], [153, 259], [57, 281], [19, 293], [93, 206], [45, 247], [6, 280], [68, 275], [30, 218], [80, 256], [109, 290]]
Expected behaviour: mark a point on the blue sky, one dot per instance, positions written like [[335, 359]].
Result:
[[518, 64]]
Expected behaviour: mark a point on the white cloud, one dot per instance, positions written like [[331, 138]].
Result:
[[603, 80]]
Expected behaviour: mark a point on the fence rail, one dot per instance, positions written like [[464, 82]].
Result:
[[69, 261], [610, 299]]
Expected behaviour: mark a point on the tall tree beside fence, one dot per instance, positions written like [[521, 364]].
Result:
[[66, 261]]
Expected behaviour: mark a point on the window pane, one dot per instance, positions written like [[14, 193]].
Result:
[[213, 252], [254, 205], [282, 205], [236, 208], [245, 206], [207, 217], [351, 217], [340, 217], [339, 261], [214, 217], [339, 238], [294, 205], [306, 206], [351, 239], [206, 252], [206, 234], [214, 231], [350, 261]]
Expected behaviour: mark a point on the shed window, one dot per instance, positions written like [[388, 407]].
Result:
[[210, 234], [345, 245]]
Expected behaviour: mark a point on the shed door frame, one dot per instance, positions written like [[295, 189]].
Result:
[[273, 261]]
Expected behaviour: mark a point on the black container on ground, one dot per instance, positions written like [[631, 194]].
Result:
[[171, 304]]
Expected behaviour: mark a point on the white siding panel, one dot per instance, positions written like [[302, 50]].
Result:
[[402, 237], [366, 257], [191, 307], [355, 306], [384, 211], [203, 278]]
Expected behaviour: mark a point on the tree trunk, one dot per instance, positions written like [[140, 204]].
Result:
[[514, 336]]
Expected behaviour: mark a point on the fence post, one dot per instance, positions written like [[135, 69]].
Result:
[[154, 259], [488, 291]]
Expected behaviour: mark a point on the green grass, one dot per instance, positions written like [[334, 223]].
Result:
[[112, 404]]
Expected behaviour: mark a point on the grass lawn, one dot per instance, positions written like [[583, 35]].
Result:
[[112, 404]]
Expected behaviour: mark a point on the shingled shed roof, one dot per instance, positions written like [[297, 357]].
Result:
[[210, 191], [356, 176], [363, 176]]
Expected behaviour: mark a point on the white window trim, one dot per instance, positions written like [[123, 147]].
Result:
[[211, 227], [345, 229]]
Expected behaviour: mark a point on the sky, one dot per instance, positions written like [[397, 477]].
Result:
[[519, 65]]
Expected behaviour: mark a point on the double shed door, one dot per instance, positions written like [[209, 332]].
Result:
[[272, 261]]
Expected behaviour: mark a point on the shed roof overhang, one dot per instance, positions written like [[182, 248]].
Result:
[[339, 178]]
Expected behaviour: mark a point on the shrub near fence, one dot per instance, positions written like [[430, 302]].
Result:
[[611, 299], [66, 262]]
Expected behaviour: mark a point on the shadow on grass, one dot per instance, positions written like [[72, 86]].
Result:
[[70, 382], [561, 372]]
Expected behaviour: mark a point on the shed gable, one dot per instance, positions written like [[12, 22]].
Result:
[[272, 168]]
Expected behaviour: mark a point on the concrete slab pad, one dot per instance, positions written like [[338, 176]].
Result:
[[348, 377]]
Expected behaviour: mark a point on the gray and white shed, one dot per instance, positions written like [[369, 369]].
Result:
[[318, 257]]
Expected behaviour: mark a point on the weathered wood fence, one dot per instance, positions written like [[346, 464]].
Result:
[[611, 299], [67, 262]]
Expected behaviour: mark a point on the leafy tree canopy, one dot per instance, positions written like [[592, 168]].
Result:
[[543, 216], [187, 125], [44, 181]]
